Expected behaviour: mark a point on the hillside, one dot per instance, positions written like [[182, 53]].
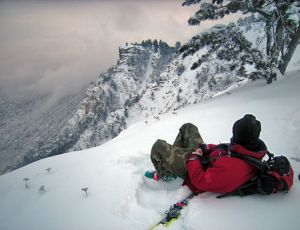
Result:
[[29, 120], [120, 198]]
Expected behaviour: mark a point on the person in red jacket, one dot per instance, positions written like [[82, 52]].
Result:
[[209, 167], [225, 173]]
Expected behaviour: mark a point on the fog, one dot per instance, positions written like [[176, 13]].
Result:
[[57, 47]]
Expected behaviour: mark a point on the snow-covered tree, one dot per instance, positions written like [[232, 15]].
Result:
[[281, 19], [226, 43]]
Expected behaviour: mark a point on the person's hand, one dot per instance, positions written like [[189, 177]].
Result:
[[198, 152], [196, 155]]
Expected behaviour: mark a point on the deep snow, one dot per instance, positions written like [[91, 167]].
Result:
[[120, 198]]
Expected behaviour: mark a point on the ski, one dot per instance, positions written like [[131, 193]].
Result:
[[174, 212]]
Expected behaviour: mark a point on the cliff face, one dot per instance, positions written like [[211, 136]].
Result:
[[103, 112], [211, 63], [149, 80]]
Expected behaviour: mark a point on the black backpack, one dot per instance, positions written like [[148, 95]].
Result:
[[275, 174]]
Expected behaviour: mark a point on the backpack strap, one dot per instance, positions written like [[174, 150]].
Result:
[[262, 166], [240, 190]]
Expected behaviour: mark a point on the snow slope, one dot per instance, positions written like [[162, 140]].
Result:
[[120, 198]]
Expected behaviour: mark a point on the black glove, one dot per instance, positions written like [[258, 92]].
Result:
[[281, 165]]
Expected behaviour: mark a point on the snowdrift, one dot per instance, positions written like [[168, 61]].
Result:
[[118, 197]]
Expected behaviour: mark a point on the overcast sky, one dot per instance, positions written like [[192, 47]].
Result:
[[58, 46]]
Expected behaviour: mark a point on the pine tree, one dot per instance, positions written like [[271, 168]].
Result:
[[177, 45], [155, 45], [281, 26], [224, 43]]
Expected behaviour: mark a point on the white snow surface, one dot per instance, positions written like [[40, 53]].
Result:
[[120, 198]]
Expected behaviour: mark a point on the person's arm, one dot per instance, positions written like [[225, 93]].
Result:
[[205, 180]]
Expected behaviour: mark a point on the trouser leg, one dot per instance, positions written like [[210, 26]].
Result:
[[188, 137], [170, 160]]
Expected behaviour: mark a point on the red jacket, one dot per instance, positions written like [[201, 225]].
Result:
[[224, 173]]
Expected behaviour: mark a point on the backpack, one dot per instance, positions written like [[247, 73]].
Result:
[[273, 175]]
